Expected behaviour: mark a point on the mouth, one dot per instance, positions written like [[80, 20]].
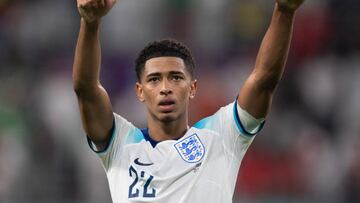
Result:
[[167, 105]]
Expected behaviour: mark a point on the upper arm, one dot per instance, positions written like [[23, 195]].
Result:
[[255, 97], [96, 114]]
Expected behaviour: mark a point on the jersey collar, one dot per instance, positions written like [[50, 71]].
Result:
[[147, 137]]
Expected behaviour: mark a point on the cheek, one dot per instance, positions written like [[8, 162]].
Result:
[[185, 93], [149, 95]]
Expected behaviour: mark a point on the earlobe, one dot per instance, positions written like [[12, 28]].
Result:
[[139, 92], [193, 89]]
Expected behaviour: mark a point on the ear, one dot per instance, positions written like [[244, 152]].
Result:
[[139, 92], [193, 88]]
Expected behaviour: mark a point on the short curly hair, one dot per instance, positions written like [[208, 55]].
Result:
[[164, 47]]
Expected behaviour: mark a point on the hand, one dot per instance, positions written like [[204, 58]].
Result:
[[289, 5], [93, 10]]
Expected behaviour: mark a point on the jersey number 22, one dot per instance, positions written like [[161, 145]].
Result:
[[135, 191]]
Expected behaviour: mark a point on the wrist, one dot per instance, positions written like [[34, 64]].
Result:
[[288, 10], [90, 25]]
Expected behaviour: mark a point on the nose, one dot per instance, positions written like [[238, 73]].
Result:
[[165, 88]]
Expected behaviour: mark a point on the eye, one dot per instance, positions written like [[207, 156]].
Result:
[[153, 79], [177, 77]]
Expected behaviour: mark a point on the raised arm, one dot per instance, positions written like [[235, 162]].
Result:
[[94, 103], [256, 94]]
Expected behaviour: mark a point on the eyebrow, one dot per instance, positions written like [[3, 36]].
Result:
[[176, 73], [171, 73], [153, 74]]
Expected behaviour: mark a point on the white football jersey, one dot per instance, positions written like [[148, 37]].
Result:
[[201, 166]]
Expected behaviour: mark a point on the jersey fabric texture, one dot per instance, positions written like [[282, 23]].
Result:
[[201, 166]]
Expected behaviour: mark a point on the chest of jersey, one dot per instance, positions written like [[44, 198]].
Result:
[[171, 168]]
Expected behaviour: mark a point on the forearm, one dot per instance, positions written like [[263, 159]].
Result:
[[86, 68], [274, 49]]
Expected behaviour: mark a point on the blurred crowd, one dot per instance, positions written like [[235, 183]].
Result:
[[309, 150]]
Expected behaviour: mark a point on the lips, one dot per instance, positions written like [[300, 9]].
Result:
[[167, 105]]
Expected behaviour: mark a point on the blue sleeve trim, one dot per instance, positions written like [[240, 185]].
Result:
[[112, 132], [240, 125]]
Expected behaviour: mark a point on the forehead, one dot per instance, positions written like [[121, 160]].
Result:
[[164, 64]]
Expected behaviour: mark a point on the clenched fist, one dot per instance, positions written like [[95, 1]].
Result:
[[289, 5], [92, 10]]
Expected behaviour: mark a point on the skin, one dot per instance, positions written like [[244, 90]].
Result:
[[94, 102], [170, 121], [166, 79], [256, 94]]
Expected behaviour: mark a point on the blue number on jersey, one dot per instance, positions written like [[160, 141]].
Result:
[[148, 181], [133, 191]]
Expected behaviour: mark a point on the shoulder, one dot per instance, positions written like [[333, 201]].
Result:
[[127, 130], [215, 120]]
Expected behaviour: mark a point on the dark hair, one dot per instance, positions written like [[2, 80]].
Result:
[[165, 47]]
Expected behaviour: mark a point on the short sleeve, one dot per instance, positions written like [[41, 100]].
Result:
[[227, 122], [121, 130]]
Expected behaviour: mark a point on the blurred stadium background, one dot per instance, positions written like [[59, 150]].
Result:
[[308, 152]]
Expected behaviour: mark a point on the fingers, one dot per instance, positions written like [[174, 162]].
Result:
[[85, 6], [94, 9], [84, 14], [95, 4], [102, 3], [86, 9], [91, 4]]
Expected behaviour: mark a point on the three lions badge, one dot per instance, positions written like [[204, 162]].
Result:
[[190, 149]]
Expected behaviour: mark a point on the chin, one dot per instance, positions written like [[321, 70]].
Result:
[[167, 118]]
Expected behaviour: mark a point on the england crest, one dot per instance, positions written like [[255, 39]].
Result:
[[190, 149]]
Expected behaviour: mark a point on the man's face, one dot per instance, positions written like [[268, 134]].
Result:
[[166, 87]]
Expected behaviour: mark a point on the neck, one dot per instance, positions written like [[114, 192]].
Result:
[[160, 131]]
